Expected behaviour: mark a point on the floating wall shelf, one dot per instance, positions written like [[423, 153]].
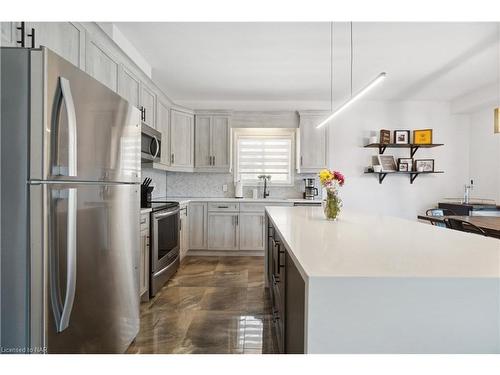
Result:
[[413, 174], [413, 147]]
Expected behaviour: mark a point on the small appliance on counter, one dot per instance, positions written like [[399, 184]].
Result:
[[238, 189], [146, 192], [310, 189]]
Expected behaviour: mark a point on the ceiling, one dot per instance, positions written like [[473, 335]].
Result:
[[287, 65]]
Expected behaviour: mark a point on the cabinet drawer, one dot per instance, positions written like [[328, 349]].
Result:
[[252, 207], [223, 206], [145, 222]]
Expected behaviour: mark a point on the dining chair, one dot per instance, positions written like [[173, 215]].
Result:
[[439, 212], [464, 226]]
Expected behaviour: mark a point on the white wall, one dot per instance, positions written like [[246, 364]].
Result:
[[396, 196], [484, 162]]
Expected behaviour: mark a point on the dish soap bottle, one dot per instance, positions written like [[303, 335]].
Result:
[[238, 189]]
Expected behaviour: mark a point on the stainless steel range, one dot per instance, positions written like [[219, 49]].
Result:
[[165, 259]]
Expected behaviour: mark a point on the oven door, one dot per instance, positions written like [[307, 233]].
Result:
[[165, 234]]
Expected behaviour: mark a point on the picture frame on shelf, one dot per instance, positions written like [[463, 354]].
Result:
[[385, 136], [424, 165], [403, 167], [401, 137], [422, 137], [408, 161], [388, 163]]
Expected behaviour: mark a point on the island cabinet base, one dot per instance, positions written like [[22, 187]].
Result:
[[287, 290]]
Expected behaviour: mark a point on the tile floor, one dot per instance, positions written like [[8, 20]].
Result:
[[212, 305]]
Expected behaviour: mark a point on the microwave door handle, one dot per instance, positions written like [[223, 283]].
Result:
[[70, 112], [157, 147]]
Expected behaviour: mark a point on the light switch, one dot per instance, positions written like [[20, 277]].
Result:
[[224, 188]]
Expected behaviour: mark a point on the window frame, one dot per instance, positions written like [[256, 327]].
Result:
[[265, 133]]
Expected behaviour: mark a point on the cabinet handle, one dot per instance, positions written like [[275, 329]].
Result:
[[32, 36], [172, 158], [213, 160], [301, 160], [22, 28], [222, 206], [144, 113], [143, 221], [237, 220]]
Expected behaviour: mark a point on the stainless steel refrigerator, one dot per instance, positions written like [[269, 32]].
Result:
[[70, 202]]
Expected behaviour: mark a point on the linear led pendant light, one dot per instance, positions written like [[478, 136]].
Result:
[[354, 97]]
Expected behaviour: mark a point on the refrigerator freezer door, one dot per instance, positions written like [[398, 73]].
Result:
[[91, 262], [84, 125]]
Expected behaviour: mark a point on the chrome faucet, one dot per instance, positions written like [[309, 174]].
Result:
[[265, 178], [467, 190]]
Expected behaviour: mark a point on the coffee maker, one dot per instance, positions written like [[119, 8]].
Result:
[[310, 190]]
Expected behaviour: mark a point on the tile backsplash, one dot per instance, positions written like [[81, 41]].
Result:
[[159, 181], [210, 185]]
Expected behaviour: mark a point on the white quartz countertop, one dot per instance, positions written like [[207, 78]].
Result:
[[183, 200], [145, 210], [364, 245]]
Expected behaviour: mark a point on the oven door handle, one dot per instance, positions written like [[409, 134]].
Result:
[[170, 213]]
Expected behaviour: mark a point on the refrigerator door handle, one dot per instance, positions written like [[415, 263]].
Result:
[[71, 261], [62, 311], [70, 112]]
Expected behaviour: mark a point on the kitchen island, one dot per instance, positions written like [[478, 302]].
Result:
[[379, 284]]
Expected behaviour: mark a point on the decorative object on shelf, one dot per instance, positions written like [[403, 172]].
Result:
[[388, 163], [385, 137], [497, 120], [401, 137], [377, 168], [378, 79], [331, 181], [424, 165], [408, 161], [403, 167], [372, 139], [422, 137]]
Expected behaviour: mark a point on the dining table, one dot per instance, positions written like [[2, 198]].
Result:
[[490, 224]]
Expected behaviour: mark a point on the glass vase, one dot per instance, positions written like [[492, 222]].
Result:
[[332, 205]]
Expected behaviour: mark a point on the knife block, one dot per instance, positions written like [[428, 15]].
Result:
[[146, 196]]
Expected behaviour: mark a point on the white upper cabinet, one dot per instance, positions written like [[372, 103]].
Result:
[[212, 143], [312, 143], [129, 86], [101, 64], [67, 39], [163, 126], [9, 34], [148, 103], [181, 141], [202, 154]]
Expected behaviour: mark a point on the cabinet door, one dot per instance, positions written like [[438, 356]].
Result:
[[198, 226], [9, 34], [101, 65], [220, 142], [252, 231], [148, 102], [144, 262], [163, 126], [202, 155], [223, 230], [181, 139], [67, 39], [129, 86], [184, 233], [313, 145]]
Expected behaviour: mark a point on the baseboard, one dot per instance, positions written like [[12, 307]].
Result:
[[219, 253]]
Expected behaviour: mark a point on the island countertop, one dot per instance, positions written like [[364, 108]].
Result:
[[380, 284], [366, 245]]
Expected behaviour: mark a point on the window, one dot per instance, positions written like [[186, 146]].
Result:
[[269, 154]]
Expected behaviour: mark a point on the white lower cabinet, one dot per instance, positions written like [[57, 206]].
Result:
[[184, 231], [144, 258], [223, 230], [198, 227], [252, 231]]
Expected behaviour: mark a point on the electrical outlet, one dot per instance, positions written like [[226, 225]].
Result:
[[224, 188]]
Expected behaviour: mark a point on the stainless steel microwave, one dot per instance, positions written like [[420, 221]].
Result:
[[150, 144]]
